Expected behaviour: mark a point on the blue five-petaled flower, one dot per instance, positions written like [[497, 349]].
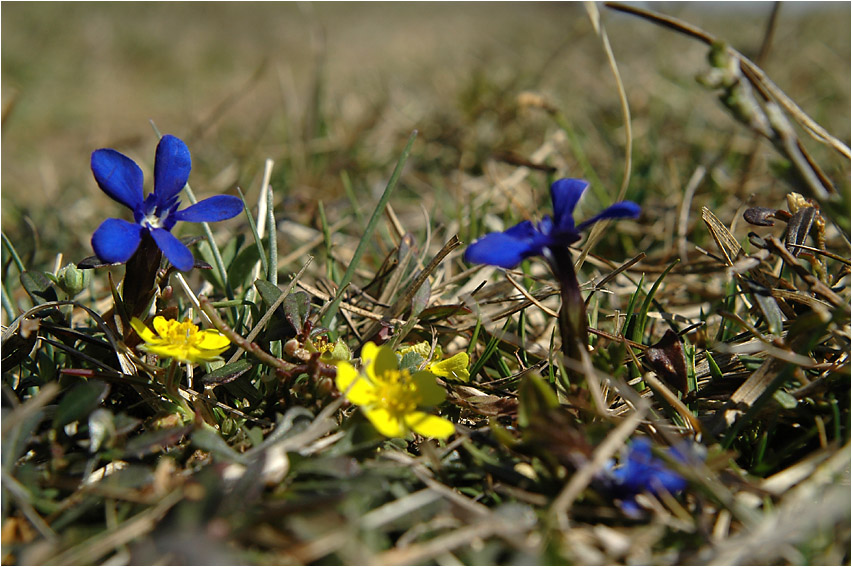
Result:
[[641, 471], [119, 177], [508, 248]]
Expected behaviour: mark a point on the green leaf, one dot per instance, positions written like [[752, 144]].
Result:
[[646, 305], [79, 402], [441, 312], [38, 286], [771, 312], [208, 439], [535, 398], [229, 251], [155, 441], [213, 276], [16, 438], [227, 373], [268, 292], [241, 268], [257, 240], [297, 307], [421, 298], [411, 361], [16, 349], [715, 371], [787, 401]]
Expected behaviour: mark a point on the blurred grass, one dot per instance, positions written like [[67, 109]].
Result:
[[81, 76], [330, 93]]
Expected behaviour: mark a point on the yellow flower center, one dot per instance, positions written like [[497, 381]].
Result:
[[396, 392], [322, 345], [180, 333], [181, 341]]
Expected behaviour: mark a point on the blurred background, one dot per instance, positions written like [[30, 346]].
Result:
[[329, 88]]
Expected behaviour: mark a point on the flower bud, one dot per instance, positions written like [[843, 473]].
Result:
[[73, 280]]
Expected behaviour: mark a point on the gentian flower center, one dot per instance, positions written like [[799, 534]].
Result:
[[153, 214]]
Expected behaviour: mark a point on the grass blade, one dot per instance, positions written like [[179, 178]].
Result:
[[331, 312]]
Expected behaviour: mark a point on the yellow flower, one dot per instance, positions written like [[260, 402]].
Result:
[[393, 399], [181, 341], [424, 349], [454, 368]]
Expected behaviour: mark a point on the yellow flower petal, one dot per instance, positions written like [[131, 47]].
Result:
[[142, 330], [386, 424], [162, 325], [211, 339], [369, 353], [346, 374], [378, 360], [361, 391], [429, 393], [166, 350], [430, 425], [454, 368]]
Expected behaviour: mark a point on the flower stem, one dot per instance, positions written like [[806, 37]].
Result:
[[572, 314], [140, 277], [171, 379]]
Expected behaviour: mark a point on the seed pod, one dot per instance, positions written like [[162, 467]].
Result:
[[73, 280], [760, 216], [798, 228]]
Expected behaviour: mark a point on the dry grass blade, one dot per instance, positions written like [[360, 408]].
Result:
[[30, 407], [817, 131], [529, 297], [404, 300], [817, 287], [598, 230], [759, 385], [511, 528], [96, 547], [813, 506], [722, 236]]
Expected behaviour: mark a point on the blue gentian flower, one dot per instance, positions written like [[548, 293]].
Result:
[[640, 471], [508, 248], [116, 240]]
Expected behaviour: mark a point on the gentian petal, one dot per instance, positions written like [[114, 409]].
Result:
[[213, 209], [116, 240], [565, 194], [621, 210], [643, 471], [501, 249], [118, 176], [175, 250], [523, 230], [171, 168]]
